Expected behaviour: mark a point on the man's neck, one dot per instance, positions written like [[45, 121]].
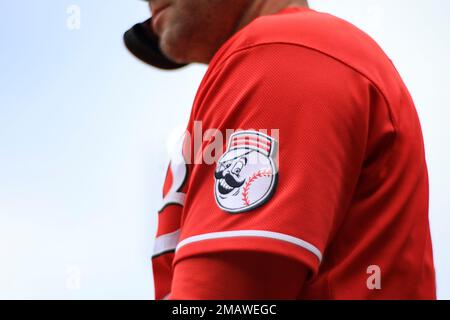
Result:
[[258, 8]]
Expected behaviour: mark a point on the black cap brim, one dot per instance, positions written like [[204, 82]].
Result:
[[142, 42]]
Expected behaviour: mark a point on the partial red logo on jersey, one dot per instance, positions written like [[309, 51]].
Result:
[[246, 174]]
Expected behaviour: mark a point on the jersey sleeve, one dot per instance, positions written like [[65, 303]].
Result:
[[314, 112]]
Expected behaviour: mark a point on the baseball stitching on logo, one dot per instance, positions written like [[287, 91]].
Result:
[[253, 178]]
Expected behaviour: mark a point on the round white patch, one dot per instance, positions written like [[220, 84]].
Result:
[[246, 174]]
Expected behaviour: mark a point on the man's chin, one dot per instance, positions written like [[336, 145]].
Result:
[[174, 50], [182, 49]]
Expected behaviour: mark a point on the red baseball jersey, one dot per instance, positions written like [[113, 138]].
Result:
[[321, 160]]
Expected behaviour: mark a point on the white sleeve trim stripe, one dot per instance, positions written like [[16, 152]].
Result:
[[253, 233], [166, 242], [166, 297]]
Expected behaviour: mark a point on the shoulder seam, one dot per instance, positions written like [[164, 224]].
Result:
[[391, 116]]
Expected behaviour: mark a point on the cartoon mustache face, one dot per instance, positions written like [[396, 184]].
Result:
[[228, 176]]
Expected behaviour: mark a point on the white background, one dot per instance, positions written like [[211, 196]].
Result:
[[85, 129]]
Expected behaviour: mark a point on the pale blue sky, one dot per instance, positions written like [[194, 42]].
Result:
[[84, 130]]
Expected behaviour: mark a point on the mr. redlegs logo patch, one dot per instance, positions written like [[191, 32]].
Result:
[[246, 174]]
